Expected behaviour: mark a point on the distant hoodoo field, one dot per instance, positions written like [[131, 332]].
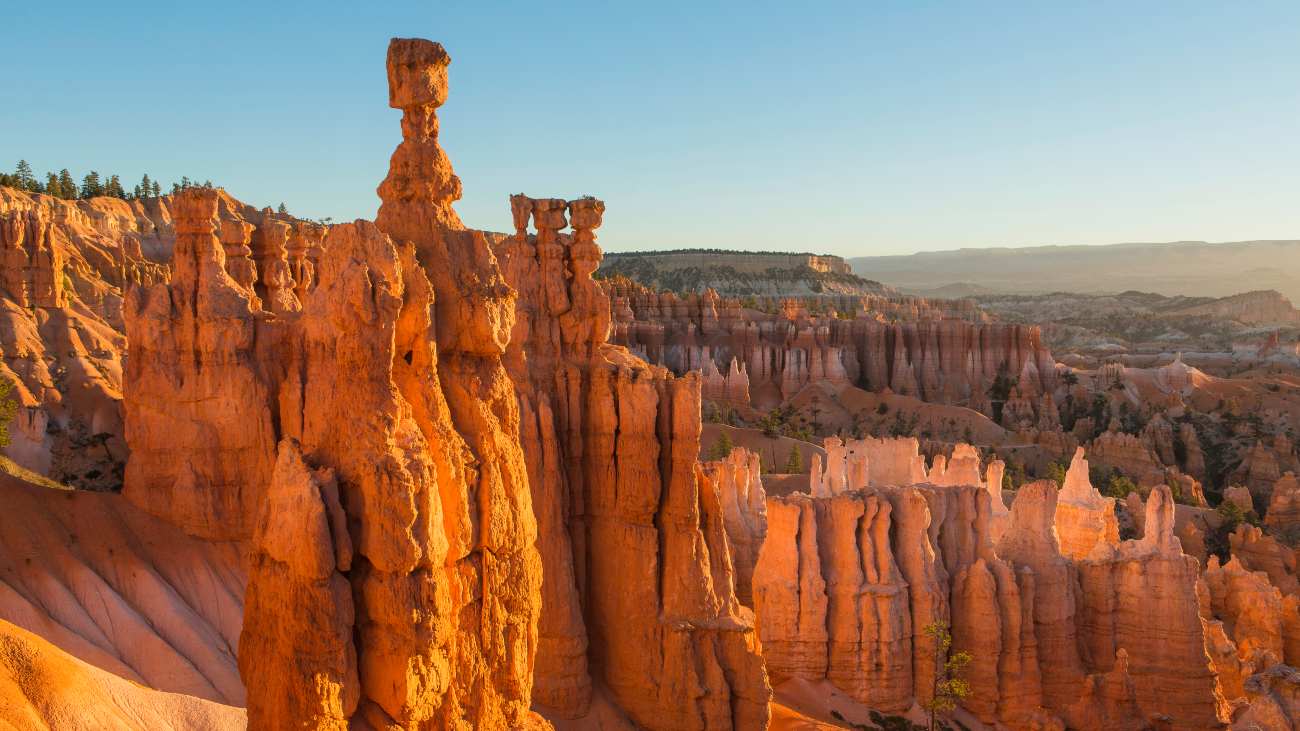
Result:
[[271, 473]]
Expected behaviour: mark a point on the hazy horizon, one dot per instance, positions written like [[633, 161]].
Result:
[[887, 130]]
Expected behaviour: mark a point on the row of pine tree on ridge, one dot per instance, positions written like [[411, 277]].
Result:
[[63, 185]]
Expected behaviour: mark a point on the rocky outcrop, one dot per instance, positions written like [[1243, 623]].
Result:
[[1194, 463], [1273, 698], [1127, 454], [444, 576], [1251, 610], [740, 273], [1086, 629], [65, 350], [1258, 551], [951, 361], [831, 600], [738, 478], [1284, 504], [298, 612], [632, 531], [198, 401], [1143, 600], [1259, 472], [1260, 307], [32, 266], [1085, 521], [1241, 497]]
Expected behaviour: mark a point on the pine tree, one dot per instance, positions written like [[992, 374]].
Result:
[[721, 448], [52, 185], [185, 182], [146, 186], [949, 687], [794, 463], [90, 185], [23, 175], [282, 210], [114, 187], [157, 189], [67, 186]]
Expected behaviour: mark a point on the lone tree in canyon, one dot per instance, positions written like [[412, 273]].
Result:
[[949, 687]]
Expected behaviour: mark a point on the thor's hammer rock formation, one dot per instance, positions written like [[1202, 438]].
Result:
[[389, 383]]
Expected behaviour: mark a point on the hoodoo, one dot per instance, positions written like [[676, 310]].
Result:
[[410, 475], [367, 442], [639, 596]]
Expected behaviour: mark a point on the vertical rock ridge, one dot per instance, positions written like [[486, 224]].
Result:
[[389, 375], [633, 530]]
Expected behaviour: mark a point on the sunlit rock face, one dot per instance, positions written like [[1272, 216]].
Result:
[[374, 415], [640, 593], [1066, 624]]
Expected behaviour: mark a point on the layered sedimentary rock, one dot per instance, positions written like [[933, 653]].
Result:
[[298, 607], [1284, 504], [1088, 630], [1261, 552], [1143, 599], [1259, 472], [1084, 519], [443, 577], [1274, 700], [1252, 613], [32, 266], [950, 361], [832, 601], [64, 276], [738, 478], [1129, 454], [640, 592], [199, 418], [741, 273]]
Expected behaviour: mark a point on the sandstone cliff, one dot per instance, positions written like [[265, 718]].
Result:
[[437, 625], [738, 273], [906, 345], [639, 598], [1106, 635], [64, 274]]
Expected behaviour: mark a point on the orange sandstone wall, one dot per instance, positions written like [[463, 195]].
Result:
[[639, 597]]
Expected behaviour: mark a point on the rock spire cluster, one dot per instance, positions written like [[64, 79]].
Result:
[[639, 597], [365, 442], [411, 475], [849, 576]]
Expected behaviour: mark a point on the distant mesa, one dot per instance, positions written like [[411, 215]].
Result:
[[739, 273], [1188, 268]]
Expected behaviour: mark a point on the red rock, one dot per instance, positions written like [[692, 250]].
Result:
[[616, 443], [298, 609]]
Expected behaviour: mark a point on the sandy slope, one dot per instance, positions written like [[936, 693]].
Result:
[[120, 590], [42, 687]]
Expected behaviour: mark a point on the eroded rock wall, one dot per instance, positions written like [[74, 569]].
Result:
[[1104, 634], [640, 596], [385, 385], [907, 345]]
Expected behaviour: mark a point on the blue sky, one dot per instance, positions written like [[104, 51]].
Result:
[[850, 128]]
